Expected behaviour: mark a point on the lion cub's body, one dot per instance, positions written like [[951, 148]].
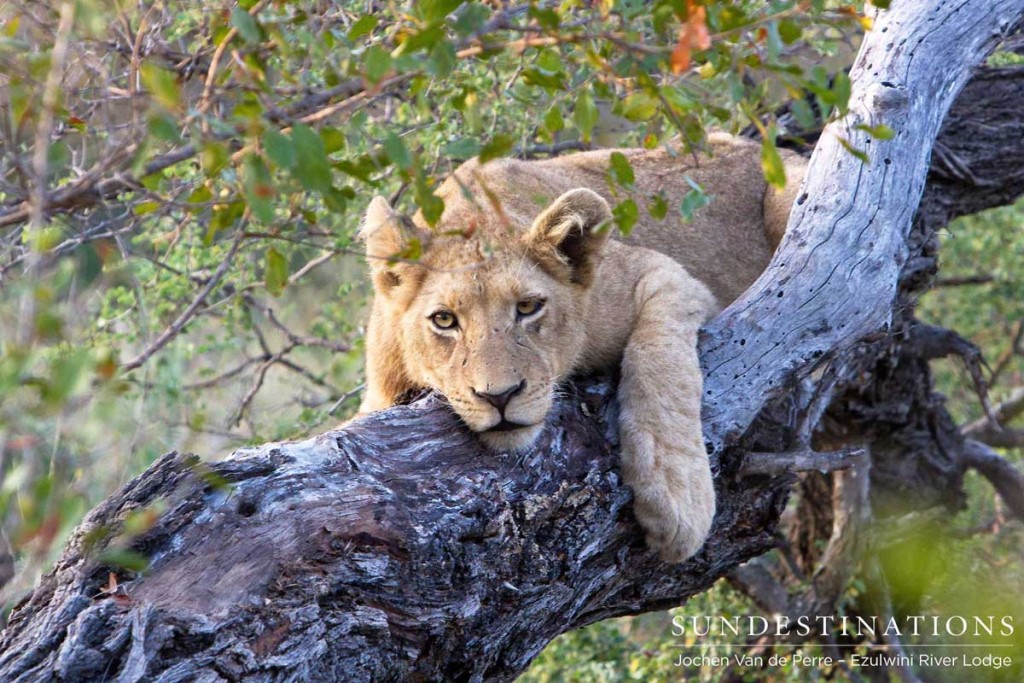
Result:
[[534, 293]]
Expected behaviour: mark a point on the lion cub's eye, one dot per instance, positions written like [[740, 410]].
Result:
[[528, 307], [444, 320]]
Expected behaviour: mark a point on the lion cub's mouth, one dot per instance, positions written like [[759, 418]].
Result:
[[506, 426]]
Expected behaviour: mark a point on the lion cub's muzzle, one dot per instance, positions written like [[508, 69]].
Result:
[[499, 400], [517, 426]]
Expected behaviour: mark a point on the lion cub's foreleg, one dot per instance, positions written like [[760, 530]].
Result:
[[663, 454]]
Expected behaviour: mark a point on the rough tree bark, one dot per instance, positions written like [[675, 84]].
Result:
[[397, 549]]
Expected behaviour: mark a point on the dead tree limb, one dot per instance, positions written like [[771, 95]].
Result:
[[398, 549]]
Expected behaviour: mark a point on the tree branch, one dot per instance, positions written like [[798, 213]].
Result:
[[863, 211], [1003, 476], [183, 319]]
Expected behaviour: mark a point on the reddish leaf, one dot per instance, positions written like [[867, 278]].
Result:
[[693, 34]]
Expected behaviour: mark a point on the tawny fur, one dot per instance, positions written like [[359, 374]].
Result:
[[515, 231]]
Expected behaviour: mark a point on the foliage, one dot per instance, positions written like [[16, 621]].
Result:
[[980, 294]]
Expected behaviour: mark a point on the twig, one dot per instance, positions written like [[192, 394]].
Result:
[[552, 150], [937, 342], [261, 375], [36, 209], [211, 73], [175, 327], [293, 339], [851, 512], [883, 608], [1003, 476], [51, 90], [341, 106], [991, 431], [303, 372], [344, 397], [1016, 348], [213, 381], [963, 281], [776, 464], [311, 264]]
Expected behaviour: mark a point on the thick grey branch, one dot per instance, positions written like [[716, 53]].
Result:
[[835, 276]]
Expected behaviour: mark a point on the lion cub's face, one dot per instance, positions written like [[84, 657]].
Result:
[[493, 321]]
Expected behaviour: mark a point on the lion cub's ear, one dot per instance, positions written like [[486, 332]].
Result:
[[390, 237], [575, 228]]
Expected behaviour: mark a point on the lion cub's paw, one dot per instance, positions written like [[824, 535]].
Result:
[[676, 522]]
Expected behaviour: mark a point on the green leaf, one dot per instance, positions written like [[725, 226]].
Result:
[[436, 10], [553, 120], [423, 39], [363, 26], [397, 151], [841, 90], [431, 206], [463, 148], [247, 26], [621, 169], [377, 62], [311, 165], [550, 80], [442, 59], [200, 195], [363, 166], [152, 181], [640, 106], [333, 139], [222, 219], [249, 109], [789, 31], [694, 200], [500, 145], [279, 149], [803, 113], [471, 19], [625, 214], [43, 239], [275, 272], [337, 200], [165, 127], [213, 158], [58, 156], [161, 84], [879, 132], [11, 25], [771, 163], [142, 208], [853, 150], [548, 19], [66, 373], [658, 208], [259, 188], [585, 114]]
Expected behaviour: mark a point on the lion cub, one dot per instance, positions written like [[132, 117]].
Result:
[[519, 286]]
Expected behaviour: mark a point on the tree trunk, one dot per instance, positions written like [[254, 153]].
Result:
[[398, 549]]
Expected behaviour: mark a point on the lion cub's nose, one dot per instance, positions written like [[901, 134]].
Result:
[[500, 399]]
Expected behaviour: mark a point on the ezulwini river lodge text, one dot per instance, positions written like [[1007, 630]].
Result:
[[878, 659], [913, 625]]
